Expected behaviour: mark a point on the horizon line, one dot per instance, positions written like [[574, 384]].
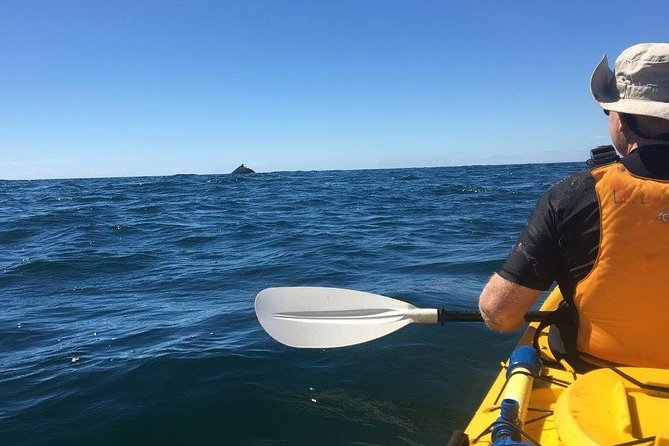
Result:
[[284, 171]]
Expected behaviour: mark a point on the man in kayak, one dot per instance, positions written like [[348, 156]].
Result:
[[603, 234]]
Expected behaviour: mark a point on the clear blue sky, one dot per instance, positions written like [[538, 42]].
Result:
[[120, 88]]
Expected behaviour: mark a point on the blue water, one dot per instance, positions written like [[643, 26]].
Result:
[[127, 304]]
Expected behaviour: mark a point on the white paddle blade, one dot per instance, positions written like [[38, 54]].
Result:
[[316, 317]]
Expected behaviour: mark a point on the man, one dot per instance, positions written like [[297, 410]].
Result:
[[603, 234]]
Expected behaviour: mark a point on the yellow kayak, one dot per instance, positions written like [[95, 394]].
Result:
[[547, 403]]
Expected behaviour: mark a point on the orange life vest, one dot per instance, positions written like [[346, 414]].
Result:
[[623, 303]]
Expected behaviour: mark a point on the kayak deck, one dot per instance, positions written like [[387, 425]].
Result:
[[607, 407], [539, 424]]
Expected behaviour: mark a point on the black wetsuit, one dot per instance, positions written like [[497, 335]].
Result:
[[561, 238]]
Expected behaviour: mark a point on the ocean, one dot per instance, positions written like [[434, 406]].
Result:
[[127, 304]]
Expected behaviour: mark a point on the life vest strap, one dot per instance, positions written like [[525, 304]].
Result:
[[565, 318]]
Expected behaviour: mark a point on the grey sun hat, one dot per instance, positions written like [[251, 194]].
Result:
[[639, 84]]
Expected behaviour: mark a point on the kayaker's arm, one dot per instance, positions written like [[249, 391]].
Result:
[[503, 304]]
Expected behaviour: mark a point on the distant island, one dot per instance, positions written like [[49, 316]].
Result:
[[243, 169]]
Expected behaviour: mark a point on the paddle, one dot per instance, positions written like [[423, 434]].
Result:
[[317, 317]]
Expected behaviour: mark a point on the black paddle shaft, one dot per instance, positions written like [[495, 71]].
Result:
[[474, 316]]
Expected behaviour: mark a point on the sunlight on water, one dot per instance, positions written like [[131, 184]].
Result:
[[128, 304]]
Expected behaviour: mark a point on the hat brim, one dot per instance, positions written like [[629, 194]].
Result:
[[604, 92]]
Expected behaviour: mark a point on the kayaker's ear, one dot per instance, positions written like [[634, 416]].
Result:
[[623, 125]]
